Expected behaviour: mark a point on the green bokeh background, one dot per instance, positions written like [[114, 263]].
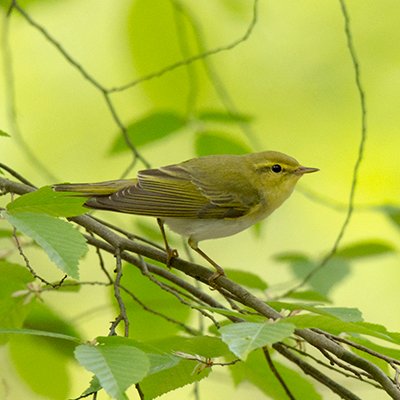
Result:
[[293, 76]]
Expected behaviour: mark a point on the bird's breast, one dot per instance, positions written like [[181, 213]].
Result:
[[204, 229]]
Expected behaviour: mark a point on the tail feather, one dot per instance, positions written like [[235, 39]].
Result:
[[95, 189]]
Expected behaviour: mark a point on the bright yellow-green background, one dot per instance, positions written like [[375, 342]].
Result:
[[293, 75]]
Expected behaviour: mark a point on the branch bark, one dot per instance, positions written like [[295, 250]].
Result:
[[319, 339]]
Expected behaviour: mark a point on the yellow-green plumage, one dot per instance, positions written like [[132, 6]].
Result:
[[202, 198]]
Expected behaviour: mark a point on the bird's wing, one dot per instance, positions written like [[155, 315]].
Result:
[[170, 192]]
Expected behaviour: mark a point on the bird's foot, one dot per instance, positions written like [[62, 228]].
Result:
[[212, 280], [171, 254]]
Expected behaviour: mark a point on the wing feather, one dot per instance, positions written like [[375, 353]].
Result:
[[172, 191]]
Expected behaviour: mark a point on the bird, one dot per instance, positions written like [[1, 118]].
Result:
[[203, 198]]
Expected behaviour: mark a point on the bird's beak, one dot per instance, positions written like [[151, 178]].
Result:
[[305, 170]]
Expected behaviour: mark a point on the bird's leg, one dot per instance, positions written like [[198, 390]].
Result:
[[218, 270], [171, 253]]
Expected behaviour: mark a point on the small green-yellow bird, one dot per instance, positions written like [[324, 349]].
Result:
[[202, 198]]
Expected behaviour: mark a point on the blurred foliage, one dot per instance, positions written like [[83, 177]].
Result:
[[292, 83]]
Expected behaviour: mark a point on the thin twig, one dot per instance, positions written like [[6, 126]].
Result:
[[329, 366], [11, 102], [16, 175], [194, 58], [341, 391], [360, 154], [185, 327], [27, 262], [145, 272], [215, 79], [106, 93], [360, 347], [110, 241], [123, 316], [278, 376]]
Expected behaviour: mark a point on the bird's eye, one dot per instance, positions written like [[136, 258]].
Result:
[[276, 168]]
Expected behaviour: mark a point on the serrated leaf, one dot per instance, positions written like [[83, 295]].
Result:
[[242, 338], [367, 248], [222, 116], [246, 278], [2, 133], [60, 240], [46, 200], [182, 374], [159, 358], [117, 367], [148, 129], [215, 142], [94, 386]]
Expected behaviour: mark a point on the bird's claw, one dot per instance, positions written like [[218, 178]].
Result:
[[171, 254]]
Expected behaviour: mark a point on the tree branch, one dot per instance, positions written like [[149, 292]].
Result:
[[318, 339]]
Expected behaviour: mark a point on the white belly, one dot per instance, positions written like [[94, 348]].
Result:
[[203, 229]]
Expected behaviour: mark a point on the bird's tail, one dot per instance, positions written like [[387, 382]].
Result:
[[95, 189]]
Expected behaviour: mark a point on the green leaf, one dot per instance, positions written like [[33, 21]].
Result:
[[387, 351], [154, 49], [215, 142], [324, 281], [93, 387], [43, 368], [242, 338], [254, 370], [6, 233], [309, 295], [292, 257], [45, 200], [246, 278], [342, 313], [148, 129], [367, 248], [222, 116], [336, 326], [35, 332], [182, 374], [205, 346], [251, 317], [348, 314], [2, 133], [173, 374], [148, 325], [393, 214], [60, 240], [42, 318], [117, 367], [13, 309], [159, 358]]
